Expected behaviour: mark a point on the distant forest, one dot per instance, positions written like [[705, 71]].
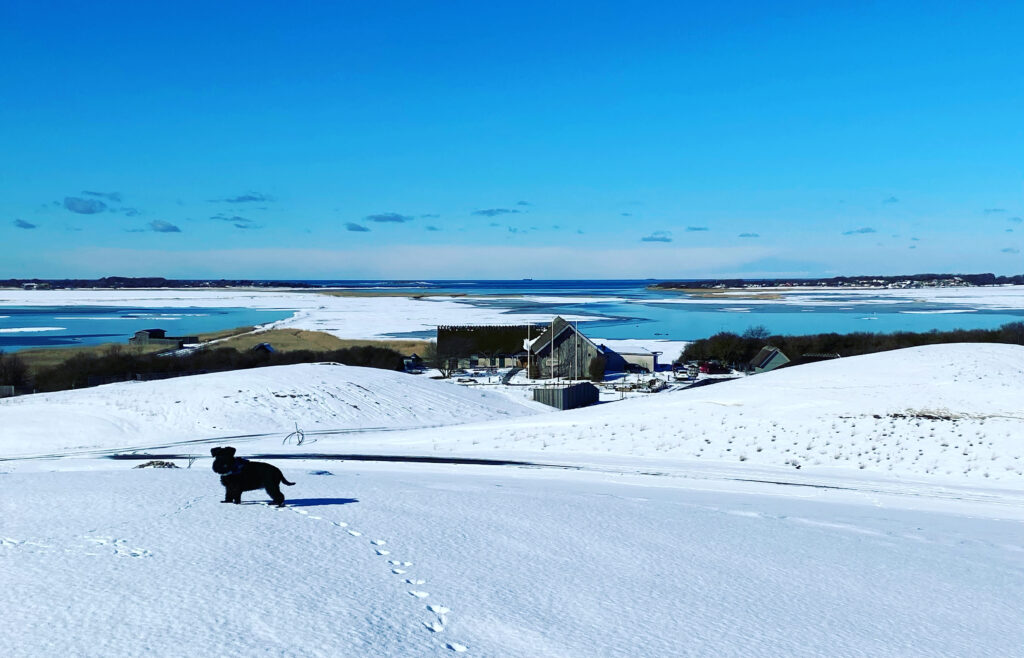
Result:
[[737, 350], [912, 280]]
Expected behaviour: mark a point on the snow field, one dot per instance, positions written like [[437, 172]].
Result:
[[664, 543], [419, 561]]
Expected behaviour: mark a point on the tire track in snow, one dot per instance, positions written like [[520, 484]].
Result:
[[439, 621]]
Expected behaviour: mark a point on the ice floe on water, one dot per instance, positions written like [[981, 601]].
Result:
[[28, 330]]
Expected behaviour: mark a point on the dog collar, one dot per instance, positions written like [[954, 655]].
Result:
[[236, 468]]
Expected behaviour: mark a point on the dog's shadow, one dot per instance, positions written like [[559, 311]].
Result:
[[306, 502], [319, 502]]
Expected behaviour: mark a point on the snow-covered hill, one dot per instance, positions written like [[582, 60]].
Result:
[[435, 559], [947, 411], [257, 401], [953, 411]]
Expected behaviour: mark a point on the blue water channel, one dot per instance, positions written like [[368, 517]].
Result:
[[23, 327]]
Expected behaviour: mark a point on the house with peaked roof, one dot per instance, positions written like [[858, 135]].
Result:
[[562, 351]]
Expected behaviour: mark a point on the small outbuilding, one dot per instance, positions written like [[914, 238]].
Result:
[[635, 359], [160, 337], [567, 397], [769, 358]]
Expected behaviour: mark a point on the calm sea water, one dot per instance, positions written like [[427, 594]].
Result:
[[637, 315], [61, 326]]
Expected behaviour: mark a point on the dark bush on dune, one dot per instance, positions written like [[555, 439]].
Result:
[[738, 350], [13, 371]]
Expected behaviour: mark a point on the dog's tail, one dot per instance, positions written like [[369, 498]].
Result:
[[286, 481]]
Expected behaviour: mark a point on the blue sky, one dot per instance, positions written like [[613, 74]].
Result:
[[485, 140]]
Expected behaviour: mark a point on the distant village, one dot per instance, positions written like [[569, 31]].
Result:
[[873, 281], [899, 282]]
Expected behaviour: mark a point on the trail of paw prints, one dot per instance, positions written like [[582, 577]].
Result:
[[120, 547], [415, 589], [412, 585], [338, 524], [10, 542]]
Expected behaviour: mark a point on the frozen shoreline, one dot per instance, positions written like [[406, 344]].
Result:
[[398, 317], [977, 297], [367, 318]]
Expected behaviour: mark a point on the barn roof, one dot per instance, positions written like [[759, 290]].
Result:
[[558, 326]]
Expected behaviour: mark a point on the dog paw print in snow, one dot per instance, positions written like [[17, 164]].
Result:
[[120, 547]]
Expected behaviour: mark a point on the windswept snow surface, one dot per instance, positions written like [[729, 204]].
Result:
[[268, 401], [657, 540], [423, 560]]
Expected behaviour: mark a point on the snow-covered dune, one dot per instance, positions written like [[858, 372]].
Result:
[[950, 410], [258, 401]]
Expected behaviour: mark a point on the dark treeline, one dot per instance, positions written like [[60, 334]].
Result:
[[986, 279], [120, 364], [151, 282], [13, 371], [738, 350]]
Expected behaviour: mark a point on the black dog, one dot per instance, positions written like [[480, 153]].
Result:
[[238, 475]]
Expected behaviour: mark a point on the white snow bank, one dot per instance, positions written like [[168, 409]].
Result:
[[28, 330], [257, 401]]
